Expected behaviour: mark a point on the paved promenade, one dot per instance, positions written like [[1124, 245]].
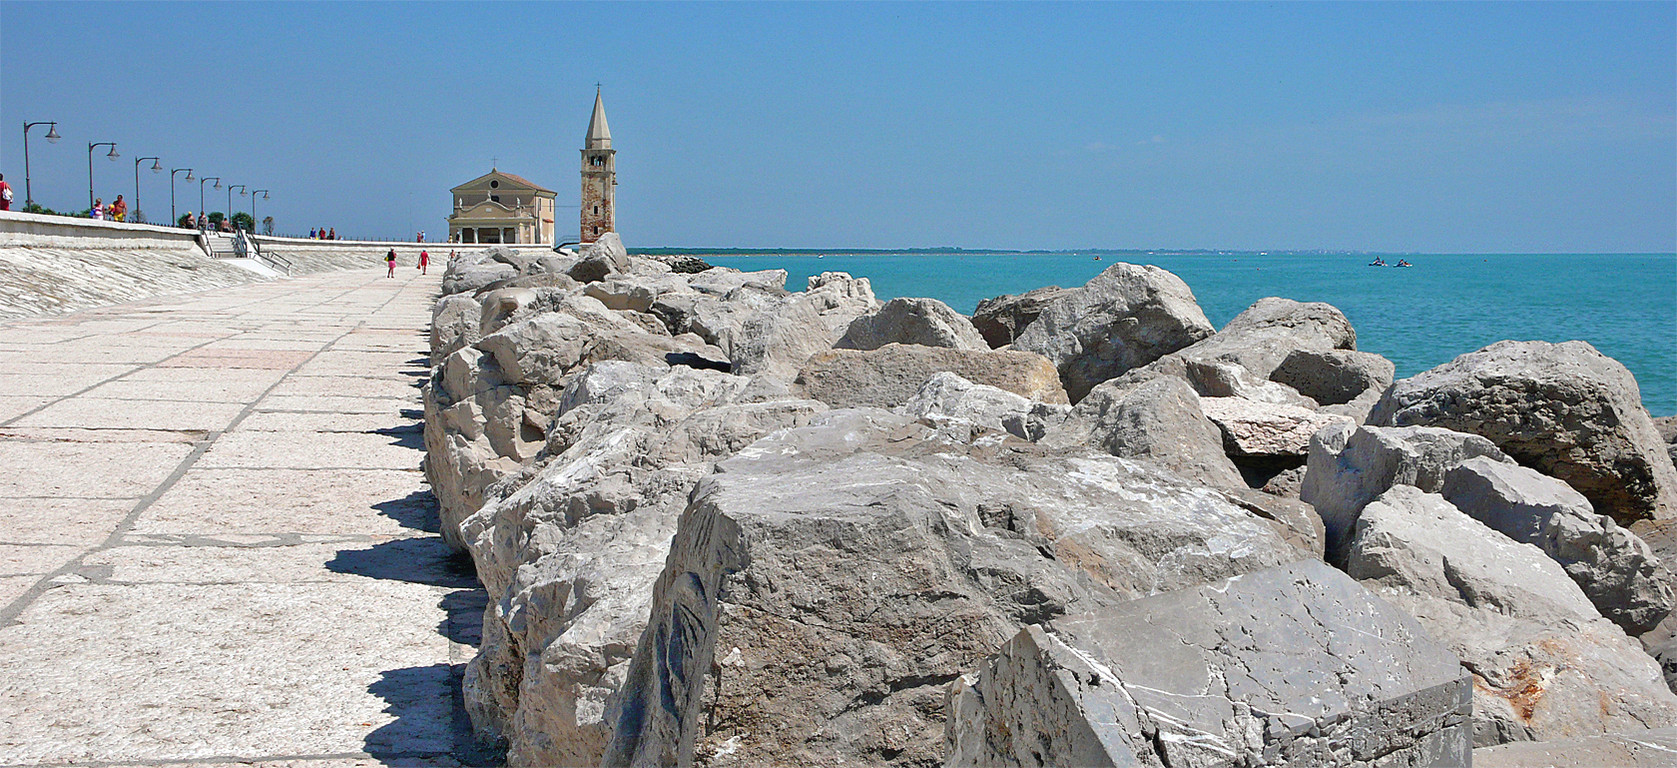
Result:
[[215, 542]]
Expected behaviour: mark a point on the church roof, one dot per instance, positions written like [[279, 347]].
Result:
[[599, 134], [514, 178]]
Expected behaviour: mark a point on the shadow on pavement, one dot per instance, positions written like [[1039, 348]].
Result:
[[417, 510], [430, 720]]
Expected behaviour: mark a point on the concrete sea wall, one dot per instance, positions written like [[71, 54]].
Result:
[[57, 264]]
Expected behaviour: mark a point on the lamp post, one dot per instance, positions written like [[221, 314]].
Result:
[[173, 219], [156, 165], [52, 137], [230, 187], [201, 211], [113, 156], [253, 220]]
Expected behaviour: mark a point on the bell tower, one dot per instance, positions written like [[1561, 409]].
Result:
[[599, 176]]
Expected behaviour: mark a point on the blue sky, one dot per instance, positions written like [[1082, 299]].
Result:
[[1508, 127]]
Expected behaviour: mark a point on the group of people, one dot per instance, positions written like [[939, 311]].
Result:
[[323, 234], [116, 211], [201, 223], [423, 265]]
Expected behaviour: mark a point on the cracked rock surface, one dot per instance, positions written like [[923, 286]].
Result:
[[1295, 665]]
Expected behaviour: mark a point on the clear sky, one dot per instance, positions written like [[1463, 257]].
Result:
[[1507, 127]]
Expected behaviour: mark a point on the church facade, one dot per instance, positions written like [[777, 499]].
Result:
[[599, 177], [500, 207]]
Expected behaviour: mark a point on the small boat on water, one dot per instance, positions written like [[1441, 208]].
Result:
[[1378, 262], [1403, 263]]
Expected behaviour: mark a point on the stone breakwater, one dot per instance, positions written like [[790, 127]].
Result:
[[721, 523]]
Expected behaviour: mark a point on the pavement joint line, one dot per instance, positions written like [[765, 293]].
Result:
[[9, 614], [137, 367], [222, 759]]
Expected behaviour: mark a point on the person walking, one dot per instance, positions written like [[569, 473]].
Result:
[[311, 234], [189, 219], [390, 263], [98, 212], [424, 261], [119, 210], [5, 194], [332, 234]]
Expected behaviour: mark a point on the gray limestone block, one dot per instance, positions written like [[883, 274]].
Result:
[[1349, 466], [1266, 333], [946, 397], [1001, 319], [1652, 748], [781, 336], [1545, 663], [1416, 541], [1159, 421], [829, 581], [1564, 409], [912, 321], [889, 376], [1252, 428], [1335, 376], [1296, 665], [1615, 568], [1123, 318], [454, 325]]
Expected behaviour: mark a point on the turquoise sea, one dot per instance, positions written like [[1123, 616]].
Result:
[[1420, 317]]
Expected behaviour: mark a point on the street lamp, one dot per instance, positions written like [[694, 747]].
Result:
[[172, 217], [253, 220], [52, 137], [230, 199], [113, 156], [156, 165], [201, 211]]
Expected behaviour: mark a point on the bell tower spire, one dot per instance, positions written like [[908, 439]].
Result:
[[599, 175]]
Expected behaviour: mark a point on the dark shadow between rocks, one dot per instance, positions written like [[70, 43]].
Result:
[[692, 360], [412, 413]]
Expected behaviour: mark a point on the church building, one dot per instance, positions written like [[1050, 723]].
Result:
[[499, 207], [599, 177]]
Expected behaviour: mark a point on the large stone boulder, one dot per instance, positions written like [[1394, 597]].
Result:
[[1334, 376], [887, 377], [1123, 318], [1563, 409], [780, 338], [826, 585], [928, 322], [1616, 570], [1262, 337], [476, 269], [1295, 665], [1667, 428], [569, 557], [600, 259], [1158, 421], [1349, 466], [1001, 319], [949, 399], [1545, 664], [1652, 748], [1259, 430], [454, 325]]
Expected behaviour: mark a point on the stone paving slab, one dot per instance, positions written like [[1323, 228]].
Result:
[[382, 502], [90, 470], [311, 450], [186, 671], [89, 412], [81, 522], [196, 572]]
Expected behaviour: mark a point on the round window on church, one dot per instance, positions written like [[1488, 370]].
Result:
[[494, 184]]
